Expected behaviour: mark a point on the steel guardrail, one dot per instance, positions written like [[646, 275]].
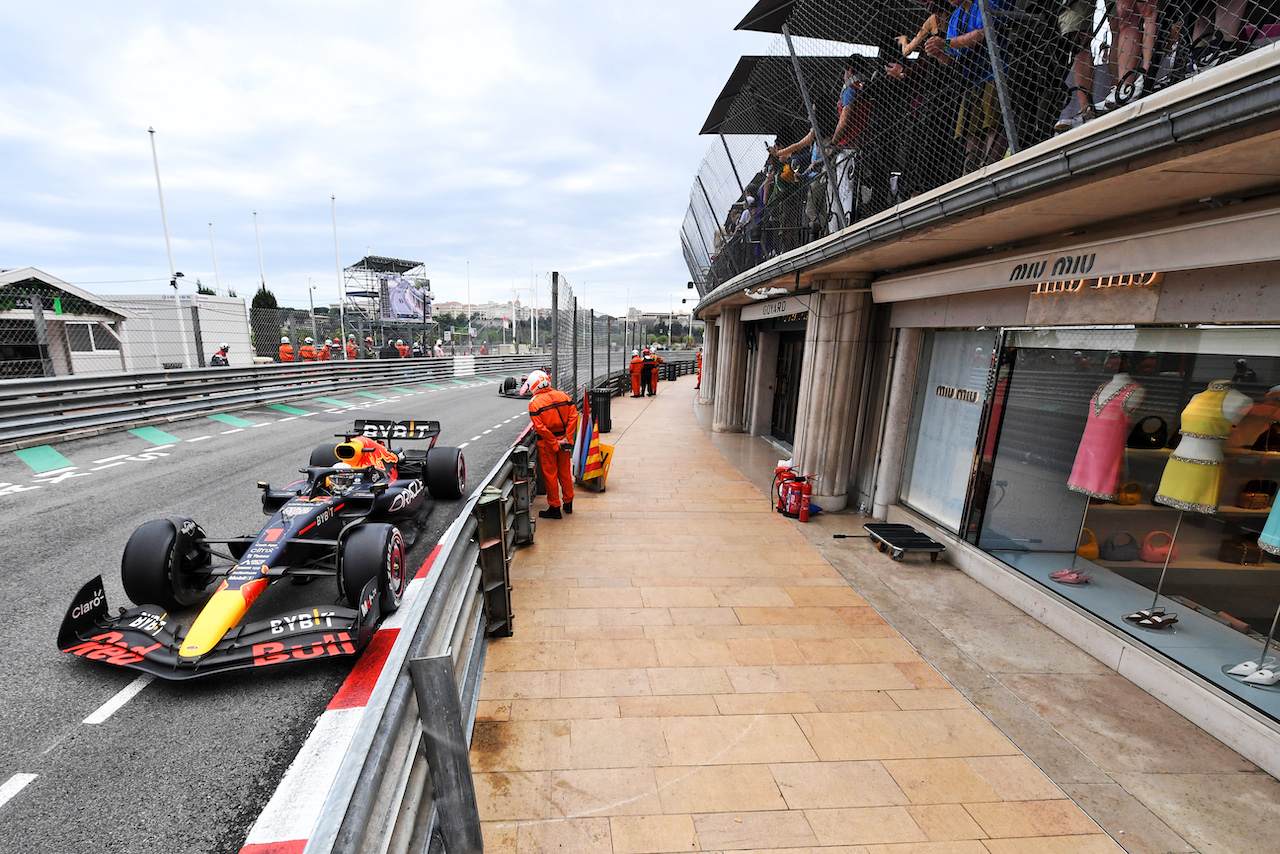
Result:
[[33, 410], [379, 800]]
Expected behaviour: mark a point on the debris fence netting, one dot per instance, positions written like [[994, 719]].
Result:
[[908, 95]]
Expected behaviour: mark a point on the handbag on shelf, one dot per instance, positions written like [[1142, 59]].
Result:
[[1257, 494], [1268, 440], [1153, 551], [1120, 546], [1150, 432], [1129, 493], [1242, 549], [1088, 548]]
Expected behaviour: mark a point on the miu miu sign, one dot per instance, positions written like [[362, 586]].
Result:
[[1071, 286]]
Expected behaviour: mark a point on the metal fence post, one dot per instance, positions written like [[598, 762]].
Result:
[[555, 328], [574, 390], [828, 168], [591, 318], [197, 334], [42, 334], [997, 70]]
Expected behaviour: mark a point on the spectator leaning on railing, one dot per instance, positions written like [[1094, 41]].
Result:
[[1075, 24], [849, 139], [979, 121]]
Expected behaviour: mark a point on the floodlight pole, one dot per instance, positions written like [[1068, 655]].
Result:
[[217, 281], [337, 269], [261, 271], [833, 190], [173, 273]]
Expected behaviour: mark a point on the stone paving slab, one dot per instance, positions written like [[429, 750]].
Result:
[[688, 673]]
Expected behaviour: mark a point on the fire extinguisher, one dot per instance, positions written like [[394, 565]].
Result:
[[793, 494]]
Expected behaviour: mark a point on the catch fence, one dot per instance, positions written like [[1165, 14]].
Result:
[[904, 96]]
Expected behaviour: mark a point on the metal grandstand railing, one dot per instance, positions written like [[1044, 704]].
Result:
[[909, 95]]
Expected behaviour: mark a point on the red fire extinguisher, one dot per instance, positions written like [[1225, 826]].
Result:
[[793, 493]]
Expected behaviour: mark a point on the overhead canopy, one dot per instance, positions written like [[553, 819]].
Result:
[[761, 96], [868, 22], [379, 264]]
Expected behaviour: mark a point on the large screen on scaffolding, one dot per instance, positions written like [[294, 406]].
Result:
[[404, 297]]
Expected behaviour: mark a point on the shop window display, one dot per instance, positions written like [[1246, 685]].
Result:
[[1134, 472], [946, 413]]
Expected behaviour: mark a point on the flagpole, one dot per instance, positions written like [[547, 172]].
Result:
[[173, 273]]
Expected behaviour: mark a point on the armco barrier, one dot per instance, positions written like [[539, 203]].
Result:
[[34, 410]]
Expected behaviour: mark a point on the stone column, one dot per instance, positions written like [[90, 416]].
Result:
[[731, 372], [835, 348], [710, 336], [893, 444]]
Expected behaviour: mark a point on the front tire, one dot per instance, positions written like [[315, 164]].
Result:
[[446, 472], [373, 549], [162, 564]]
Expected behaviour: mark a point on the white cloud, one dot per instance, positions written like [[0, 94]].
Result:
[[554, 134]]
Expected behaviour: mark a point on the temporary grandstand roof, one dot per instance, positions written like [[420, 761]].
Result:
[[868, 22], [379, 264], [761, 96], [17, 286]]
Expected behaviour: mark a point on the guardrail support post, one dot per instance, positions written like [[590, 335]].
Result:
[[522, 476], [495, 558], [445, 741]]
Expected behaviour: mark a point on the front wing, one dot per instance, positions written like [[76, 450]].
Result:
[[144, 638]]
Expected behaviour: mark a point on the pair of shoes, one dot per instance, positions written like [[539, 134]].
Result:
[[1064, 125], [550, 513], [1144, 614], [1112, 101], [568, 507], [1080, 577], [1158, 621], [1062, 572], [1248, 668], [1263, 676]]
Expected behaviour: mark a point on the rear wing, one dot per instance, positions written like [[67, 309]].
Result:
[[384, 430]]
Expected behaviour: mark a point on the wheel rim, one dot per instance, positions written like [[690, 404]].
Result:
[[462, 474], [396, 567]]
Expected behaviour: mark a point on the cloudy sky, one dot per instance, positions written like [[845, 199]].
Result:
[[521, 136]]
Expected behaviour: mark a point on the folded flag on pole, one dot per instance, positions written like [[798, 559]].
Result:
[[578, 459], [594, 464]]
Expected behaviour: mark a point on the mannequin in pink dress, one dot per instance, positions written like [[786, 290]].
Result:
[[1096, 472]]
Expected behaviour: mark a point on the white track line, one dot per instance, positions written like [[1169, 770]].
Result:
[[261, 424], [475, 438], [497, 426], [110, 459], [234, 430], [306, 415], [163, 447], [463, 445], [486, 432], [290, 418], [110, 707], [107, 466], [13, 785], [199, 438]]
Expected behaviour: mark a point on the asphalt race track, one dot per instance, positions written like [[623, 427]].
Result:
[[177, 766]]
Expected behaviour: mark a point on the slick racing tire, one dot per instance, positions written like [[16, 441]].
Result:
[[509, 385], [373, 549], [446, 473], [163, 564], [323, 456]]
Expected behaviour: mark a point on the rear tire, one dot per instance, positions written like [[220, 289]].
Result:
[[372, 549], [446, 473], [322, 456], [160, 567], [509, 385]]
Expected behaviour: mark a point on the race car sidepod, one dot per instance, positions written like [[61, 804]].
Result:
[[145, 639]]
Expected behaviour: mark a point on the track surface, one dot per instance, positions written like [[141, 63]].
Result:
[[179, 766]]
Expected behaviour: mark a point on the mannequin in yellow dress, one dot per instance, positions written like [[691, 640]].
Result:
[[1193, 476]]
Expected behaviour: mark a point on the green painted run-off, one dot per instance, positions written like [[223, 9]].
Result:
[[231, 420], [331, 401], [155, 435], [42, 458], [369, 395], [287, 410]]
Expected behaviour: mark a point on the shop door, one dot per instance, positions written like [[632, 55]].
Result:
[[786, 389]]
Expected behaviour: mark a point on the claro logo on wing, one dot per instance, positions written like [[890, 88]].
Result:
[[99, 596], [277, 653]]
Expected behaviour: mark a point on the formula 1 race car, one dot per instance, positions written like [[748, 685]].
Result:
[[352, 518], [515, 388]]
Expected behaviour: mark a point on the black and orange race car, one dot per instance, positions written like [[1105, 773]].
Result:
[[352, 518]]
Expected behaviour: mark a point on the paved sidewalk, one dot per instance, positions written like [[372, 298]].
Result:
[[689, 673]]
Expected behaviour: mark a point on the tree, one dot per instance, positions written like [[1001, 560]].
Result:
[[201, 289], [264, 298]]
